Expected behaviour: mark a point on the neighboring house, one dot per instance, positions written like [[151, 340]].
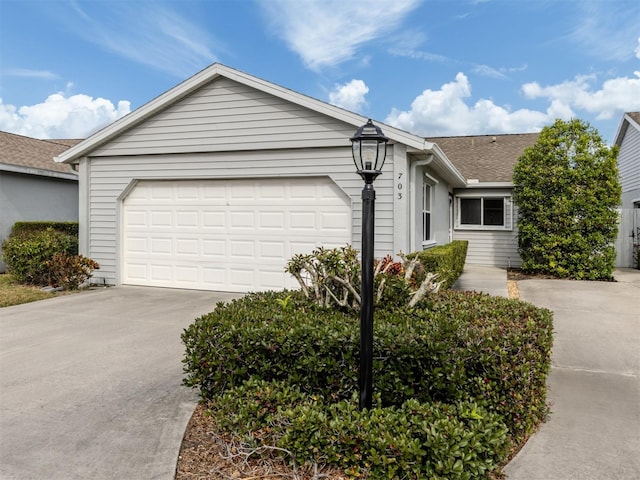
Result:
[[628, 139], [33, 186], [216, 183]]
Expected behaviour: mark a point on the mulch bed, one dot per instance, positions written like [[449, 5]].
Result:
[[208, 455]]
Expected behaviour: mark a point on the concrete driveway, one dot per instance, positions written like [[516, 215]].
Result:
[[90, 383], [594, 385]]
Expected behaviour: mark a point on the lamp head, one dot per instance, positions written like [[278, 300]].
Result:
[[369, 150]]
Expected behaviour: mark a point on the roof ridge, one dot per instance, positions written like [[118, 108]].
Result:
[[485, 135]]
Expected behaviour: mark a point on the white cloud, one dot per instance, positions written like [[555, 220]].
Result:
[[638, 49], [27, 73], [446, 112], [606, 31], [330, 32], [500, 73], [76, 116], [449, 111], [350, 96], [147, 33], [614, 96], [487, 71]]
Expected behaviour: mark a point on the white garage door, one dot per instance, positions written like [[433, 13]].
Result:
[[228, 235]]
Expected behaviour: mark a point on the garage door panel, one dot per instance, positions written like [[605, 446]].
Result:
[[187, 246], [214, 248], [303, 220], [242, 249], [334, 221], [232, 235], [215, 220], [271, 220], [272, 249], [187, 218], [242, 219]]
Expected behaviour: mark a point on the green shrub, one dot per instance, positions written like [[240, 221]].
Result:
[[20, 228], [70, 271], [452, 347], [26, 253], [567, 192], [447, 261], [413, 440]]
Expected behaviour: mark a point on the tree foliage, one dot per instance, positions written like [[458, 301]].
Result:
[[567, 191]]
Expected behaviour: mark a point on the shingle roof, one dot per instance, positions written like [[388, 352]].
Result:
[[33, 153], [635, 116], [487, 158]]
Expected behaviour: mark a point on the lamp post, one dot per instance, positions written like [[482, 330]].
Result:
[[369, 148]]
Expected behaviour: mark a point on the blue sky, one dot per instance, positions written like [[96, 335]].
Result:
[[432, 67]]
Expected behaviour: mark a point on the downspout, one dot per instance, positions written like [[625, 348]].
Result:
[[412, 199]]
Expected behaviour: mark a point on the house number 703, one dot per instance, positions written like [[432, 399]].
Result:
[[399, 186]]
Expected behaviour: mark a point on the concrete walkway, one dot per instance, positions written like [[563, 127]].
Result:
[[594, 386], [90, 384], [491, 280]]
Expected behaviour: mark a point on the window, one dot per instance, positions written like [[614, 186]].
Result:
[[426, 212], [482, 212]]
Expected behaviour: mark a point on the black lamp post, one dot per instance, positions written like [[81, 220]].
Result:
[[369, 152]]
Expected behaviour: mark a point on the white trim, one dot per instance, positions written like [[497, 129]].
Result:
[[622, 128], [84, 185], [7, 167], [425, 186], [490, 185], [434, 181], [506, 202], [413, 184]]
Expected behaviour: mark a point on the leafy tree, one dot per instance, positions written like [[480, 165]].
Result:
[[567, 191]]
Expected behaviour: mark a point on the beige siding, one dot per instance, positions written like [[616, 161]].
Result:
[[228, 116], [110, 177]]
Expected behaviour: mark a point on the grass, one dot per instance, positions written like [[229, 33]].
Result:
[[14, 293]]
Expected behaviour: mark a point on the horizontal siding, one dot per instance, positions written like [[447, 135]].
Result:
[[629, 160], [491, 247], [110, 176], [227, 116]]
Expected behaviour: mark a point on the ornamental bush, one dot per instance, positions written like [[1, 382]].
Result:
[[451, 347], [331, 277], [567, 191], [70, 271], [26, 253]]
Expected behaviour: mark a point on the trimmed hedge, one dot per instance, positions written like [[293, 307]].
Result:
[[445, 260], [19, 228], [453, 347], [414, 440]]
